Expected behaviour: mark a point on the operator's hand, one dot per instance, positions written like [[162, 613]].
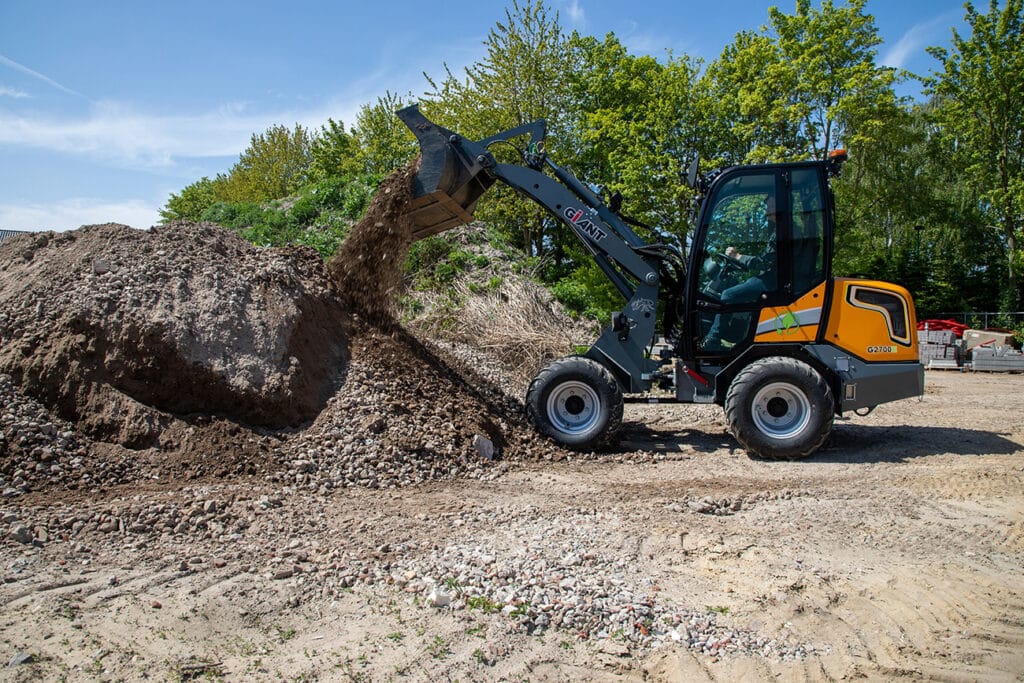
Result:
[[732, 252]]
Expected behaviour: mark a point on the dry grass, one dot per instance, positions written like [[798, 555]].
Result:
[[517, 323]]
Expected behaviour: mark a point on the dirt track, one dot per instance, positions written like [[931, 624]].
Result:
[[895, 552]]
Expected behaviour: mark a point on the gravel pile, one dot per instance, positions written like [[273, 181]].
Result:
[[184, 351], [557, 572], [118, 329], [406, 416], [43, 451]]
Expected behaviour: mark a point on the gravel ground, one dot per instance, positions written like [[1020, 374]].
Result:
[[893, 553]]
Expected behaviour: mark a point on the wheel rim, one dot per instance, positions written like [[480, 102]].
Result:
[[573, 407], [781, 410]]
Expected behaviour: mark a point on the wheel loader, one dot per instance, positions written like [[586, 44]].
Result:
[[750, 319]]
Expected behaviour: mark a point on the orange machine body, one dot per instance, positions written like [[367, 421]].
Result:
[[869, 319]]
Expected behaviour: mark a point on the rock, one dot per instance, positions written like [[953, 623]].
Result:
[[484, 447], [438, 597], [20, 533], [21, 658], [155, 604], [286, 573]]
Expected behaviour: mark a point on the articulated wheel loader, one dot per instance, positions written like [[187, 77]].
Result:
[[751, 320]]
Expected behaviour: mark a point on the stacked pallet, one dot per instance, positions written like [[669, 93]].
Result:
[[997, 359], [940, 349]]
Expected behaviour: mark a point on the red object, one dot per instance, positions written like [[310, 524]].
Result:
[[957, 327]]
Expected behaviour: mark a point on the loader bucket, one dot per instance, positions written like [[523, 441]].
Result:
[[448, 182]]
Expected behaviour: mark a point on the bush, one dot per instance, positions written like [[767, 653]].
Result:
[[324, 238], [304, 210], [588, 292]]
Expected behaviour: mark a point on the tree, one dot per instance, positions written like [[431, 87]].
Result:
[[980, 94], [524, 76], [641, 124], [194, 199], [805, 84], [275, 165], [840, 91], [384, 141], [754, 122], [334, 152]]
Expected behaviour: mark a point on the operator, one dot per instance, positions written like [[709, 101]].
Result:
[[763, 278]]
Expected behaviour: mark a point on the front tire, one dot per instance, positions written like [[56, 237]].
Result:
[[779, 408], [575, 401]]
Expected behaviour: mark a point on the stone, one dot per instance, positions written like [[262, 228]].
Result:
[[484, 447], [21, 658], [438, 597], [20, 533]]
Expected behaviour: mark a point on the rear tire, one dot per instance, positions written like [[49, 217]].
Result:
[[779, 408], [575, 401]]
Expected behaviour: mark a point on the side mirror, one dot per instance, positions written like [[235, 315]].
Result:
[[615, 201], [691, 174]]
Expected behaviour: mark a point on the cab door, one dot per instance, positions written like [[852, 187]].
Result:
[[735, 262]]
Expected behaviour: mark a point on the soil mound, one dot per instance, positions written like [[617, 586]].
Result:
[[184, 351], [111, 326]]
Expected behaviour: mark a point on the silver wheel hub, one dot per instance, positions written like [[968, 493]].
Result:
[[781, 410], [573, 407]]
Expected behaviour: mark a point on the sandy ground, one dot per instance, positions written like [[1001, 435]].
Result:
[[896, 552]]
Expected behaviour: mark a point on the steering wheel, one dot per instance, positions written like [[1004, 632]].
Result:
[[728, 261]]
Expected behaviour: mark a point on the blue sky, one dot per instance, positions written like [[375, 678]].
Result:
[[106, 107]]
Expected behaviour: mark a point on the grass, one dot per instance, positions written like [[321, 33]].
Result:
[[483, 603], [286, 633], [438, 648]]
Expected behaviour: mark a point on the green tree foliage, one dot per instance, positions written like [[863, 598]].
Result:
[[642, 121], [334, 152], [841, 96], [980, 97], [754, 124], [805, 84], [194, 199], [275, 165], [384, 141]]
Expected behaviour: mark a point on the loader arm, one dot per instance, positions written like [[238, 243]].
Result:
[[455, 172]]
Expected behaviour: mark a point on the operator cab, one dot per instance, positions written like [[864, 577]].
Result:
[[763, 241]]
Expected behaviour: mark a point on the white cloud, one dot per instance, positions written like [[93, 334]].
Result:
[[916, 38], [12, 92], [7, 61], [638, 41], [575, 11], [69, 214], [120, 134]]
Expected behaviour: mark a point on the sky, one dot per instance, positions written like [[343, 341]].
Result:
[[107, 107]]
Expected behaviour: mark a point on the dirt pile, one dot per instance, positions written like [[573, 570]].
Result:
[[113, 326], [405, 413], [184, 351]]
